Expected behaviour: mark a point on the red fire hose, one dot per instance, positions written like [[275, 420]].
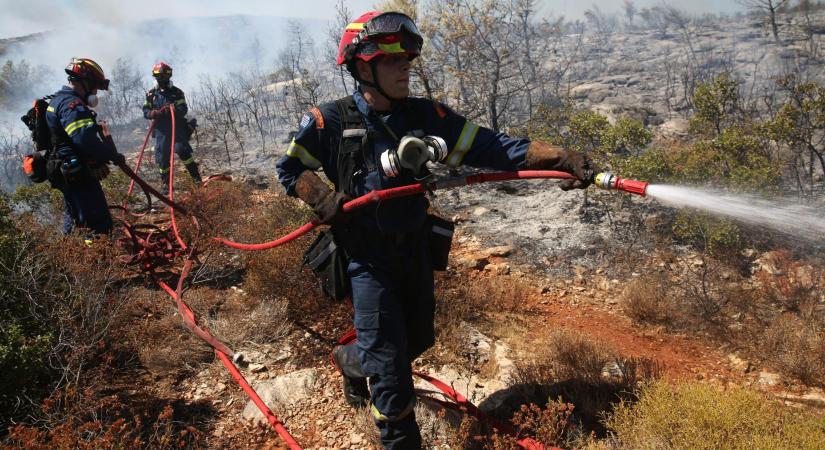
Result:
[[403, 191], [150, 253]]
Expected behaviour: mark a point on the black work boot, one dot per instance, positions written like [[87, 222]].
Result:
[[354, 382], [192, 168], [164, 184]]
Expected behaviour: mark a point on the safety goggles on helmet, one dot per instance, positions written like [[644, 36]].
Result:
[[395, 43], [390, 23], [387, 24], [102, 85]]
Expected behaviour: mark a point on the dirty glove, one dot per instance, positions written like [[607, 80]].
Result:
[[118, 159], [542, 156], [326, 203]]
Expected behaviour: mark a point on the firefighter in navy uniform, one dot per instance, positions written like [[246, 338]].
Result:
[[81, 155], [159, 102], [390, 265]]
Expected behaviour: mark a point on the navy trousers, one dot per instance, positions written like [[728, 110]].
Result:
[[182, 148], [392, 292], [85, 206]]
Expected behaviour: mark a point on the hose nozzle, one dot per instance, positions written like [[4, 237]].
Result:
[[607, 180]]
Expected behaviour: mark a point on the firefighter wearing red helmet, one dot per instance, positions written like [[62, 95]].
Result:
[[377, 138], [80, 153], [161, 101]]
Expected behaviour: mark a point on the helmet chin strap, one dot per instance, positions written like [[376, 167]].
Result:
[[376, 85]]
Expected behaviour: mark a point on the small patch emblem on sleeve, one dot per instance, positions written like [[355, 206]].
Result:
[[305, 120], [319, 118]]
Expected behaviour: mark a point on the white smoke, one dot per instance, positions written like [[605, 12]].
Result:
[[198, 39]]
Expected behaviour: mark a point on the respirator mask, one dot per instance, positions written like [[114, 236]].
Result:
[[413, 154], [92, 100], [165, 84]]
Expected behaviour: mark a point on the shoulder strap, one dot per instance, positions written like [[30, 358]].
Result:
[[351, 119], [354, 158]]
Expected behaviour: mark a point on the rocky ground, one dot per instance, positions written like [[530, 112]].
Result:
[[294, 378], [293, 375], [639, 73]]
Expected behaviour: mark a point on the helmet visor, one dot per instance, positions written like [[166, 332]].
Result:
[[391, 23], [395, 43]]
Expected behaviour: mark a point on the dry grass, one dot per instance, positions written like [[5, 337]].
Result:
[[796, 348], [364, 424], [260, 322], [461, 301]]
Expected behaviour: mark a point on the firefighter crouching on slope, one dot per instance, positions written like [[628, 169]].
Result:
[[81, 154], [159, 101], [389, 261]]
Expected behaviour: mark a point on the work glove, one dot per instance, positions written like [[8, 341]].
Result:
[[327, 204], [118, 159], [157, 113], [542, 156]]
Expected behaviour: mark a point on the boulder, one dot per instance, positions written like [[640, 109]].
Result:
[[281, 392]]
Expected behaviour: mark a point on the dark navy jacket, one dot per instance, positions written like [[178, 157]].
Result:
[[157, 98], [469, 144], [69, 113]]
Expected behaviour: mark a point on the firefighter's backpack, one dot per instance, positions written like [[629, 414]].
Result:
[[36, 164]]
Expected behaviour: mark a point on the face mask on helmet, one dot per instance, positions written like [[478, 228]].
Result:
[[92, 100]]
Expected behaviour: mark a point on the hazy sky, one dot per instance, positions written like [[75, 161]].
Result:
[[29, 16]]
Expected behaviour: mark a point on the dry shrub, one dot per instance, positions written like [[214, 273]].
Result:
[[364, 424], [570, 366], [795, 348], [260, 322], [439, 426], [461, 300], [796, 288], [563, 354], [649, 300], [87, 421], [700, 416], [165, 346], [575, 356], [553, 425]]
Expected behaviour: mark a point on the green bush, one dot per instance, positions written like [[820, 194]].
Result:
[[717, 236], [24, 368], [25, 339], [701, 416], [715, 105]]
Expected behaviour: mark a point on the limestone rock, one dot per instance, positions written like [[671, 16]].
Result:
[[282, 392]]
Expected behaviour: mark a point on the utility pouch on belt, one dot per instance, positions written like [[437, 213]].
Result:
[[191, 126], [34, 166], [441, 238], [329, 262]]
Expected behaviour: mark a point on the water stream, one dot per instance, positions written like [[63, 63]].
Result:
[[798, 221]]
